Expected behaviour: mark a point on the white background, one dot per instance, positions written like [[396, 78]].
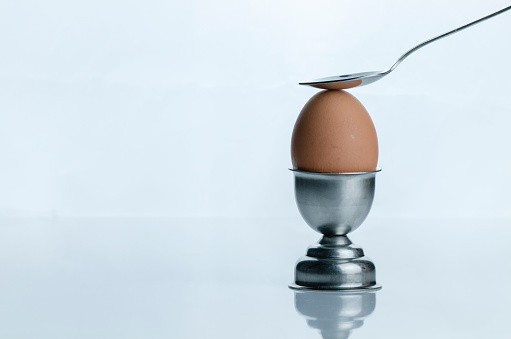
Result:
[[168, 108]]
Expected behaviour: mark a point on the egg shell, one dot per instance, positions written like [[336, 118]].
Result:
[[334, 134]]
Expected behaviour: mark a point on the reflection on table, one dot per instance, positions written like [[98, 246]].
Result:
[[334, 314]]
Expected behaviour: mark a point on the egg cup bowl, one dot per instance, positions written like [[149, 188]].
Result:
[[335, 204]]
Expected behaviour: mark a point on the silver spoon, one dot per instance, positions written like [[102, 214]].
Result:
[[366, 78]]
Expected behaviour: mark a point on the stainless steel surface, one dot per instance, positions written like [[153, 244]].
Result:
[[335, 265], [365, 78], [335, 314], [334, 204]]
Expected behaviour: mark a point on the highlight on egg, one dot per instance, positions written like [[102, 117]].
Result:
[[334, 133]]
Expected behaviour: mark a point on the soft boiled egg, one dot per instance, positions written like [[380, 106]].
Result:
[[334, 134]]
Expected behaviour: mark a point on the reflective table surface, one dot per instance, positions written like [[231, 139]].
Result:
[[228, 278]]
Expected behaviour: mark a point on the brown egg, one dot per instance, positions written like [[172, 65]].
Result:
[[334, 134]]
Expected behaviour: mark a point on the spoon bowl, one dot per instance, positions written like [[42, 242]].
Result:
[[345, 81]]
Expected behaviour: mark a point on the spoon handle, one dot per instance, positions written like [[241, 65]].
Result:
[[427, 42]]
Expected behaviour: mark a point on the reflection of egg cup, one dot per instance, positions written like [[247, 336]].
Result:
[[335, 314], [334, 204]]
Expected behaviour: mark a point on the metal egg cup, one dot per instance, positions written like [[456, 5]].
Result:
[[334, 204]]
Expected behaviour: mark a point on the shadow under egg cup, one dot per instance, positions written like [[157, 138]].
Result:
[[334, 204]]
